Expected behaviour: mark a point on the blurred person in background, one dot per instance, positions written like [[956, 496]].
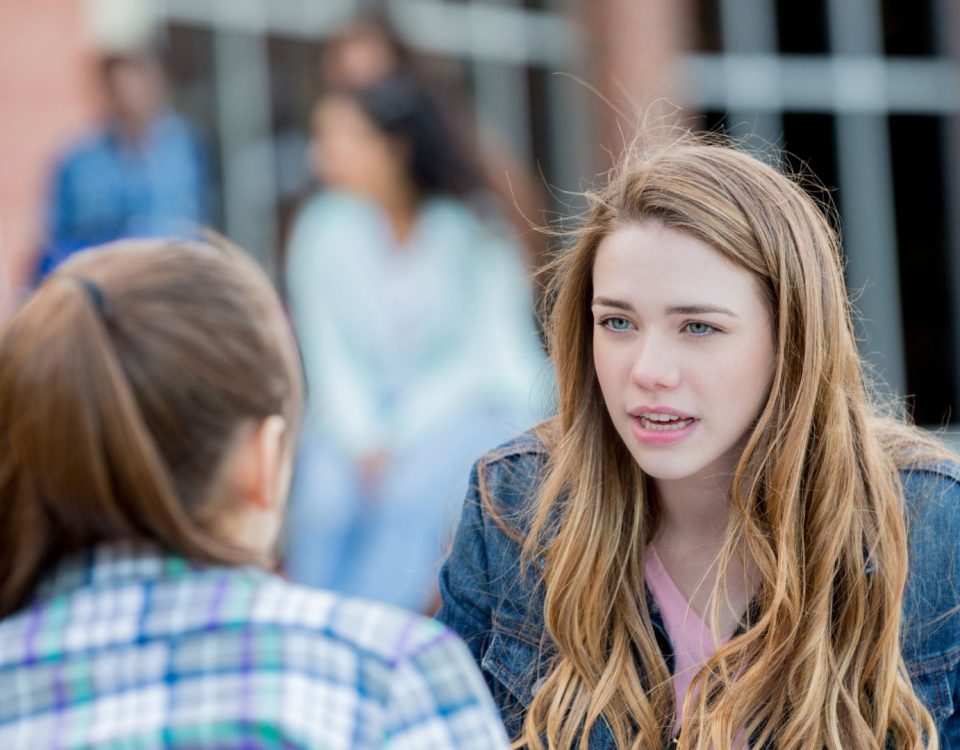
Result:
[[413, 309], [368, 49], [143, 173], [150, 397]]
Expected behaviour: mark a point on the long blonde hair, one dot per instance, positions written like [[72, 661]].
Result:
[[816, 500]]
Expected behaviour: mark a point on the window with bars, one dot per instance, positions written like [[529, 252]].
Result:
[[863, 94]]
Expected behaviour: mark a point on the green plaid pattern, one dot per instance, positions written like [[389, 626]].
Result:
[[126, 648]]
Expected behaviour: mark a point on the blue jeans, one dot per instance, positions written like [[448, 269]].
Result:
[[384, 542]]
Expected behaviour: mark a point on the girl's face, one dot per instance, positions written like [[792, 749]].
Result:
[[683, 347], [348, 152]]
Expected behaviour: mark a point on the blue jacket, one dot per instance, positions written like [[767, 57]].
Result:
[[103, 190], [500, 615]]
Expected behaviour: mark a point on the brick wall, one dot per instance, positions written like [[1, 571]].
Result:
[[47, 98]]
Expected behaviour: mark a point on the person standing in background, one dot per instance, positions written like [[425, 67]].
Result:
[[413, 309], [143, 173]]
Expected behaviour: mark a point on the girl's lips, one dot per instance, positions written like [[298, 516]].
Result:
[[654, 432], [666, 411]]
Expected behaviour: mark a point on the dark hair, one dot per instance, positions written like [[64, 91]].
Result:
[[122, 383], [399, 106]]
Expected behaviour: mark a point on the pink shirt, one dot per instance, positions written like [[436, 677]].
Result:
[[692, 641]]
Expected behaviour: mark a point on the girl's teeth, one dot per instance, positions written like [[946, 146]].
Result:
[[659, 424]]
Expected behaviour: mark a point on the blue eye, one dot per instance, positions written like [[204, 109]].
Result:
[[616, 324], [697, 328]]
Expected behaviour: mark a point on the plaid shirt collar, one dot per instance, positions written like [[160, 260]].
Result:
[[118, 562]]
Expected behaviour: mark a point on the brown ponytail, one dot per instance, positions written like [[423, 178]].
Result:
[[122, 383]]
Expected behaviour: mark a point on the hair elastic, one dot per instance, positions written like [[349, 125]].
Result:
[[94, 292]]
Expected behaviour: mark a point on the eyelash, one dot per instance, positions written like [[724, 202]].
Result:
[[607, 323]]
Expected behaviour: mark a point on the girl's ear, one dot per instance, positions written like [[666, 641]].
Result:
[[261, 466]]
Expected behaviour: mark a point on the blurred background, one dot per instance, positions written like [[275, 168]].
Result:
[[865, 92], [864, 95]]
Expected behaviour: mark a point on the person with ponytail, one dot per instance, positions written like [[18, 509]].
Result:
[[722, 540], [150, 397]]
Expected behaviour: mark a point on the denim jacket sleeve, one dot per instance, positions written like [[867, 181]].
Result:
[[486, 600], [467, 601], [931, 605]]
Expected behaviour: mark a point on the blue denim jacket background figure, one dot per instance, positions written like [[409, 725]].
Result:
[[500, 616], [104, 190]]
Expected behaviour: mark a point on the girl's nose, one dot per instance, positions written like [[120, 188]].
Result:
[[654, 367]]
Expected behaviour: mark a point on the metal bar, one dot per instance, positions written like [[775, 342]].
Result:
[[866, 189], [295, 18], [947, 22], [806, 83], [246, 138], [457, 30], [749, 26], [501, 95], [572, 132]]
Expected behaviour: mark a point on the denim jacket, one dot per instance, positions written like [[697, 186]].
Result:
[[500, 615]]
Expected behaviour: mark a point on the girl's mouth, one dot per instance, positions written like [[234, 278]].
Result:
[[664, 422], [656, 428]]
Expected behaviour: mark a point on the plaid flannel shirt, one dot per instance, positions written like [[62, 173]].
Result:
[[127, 648]]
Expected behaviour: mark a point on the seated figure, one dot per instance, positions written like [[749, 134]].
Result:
[[150, 398]]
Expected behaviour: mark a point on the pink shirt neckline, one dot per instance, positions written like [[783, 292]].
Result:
[[692, 640]]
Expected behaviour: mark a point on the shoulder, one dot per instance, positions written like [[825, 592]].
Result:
[[368, 629], [446, 208], [496, 518], [475, 216], [414, 674], [530, 445], [931, 491], [350, 671], [326, 626], [330, 223], [932, 597], [510, 474], [332, 210], [335, 204], [88, 151], [386, 649], [503, 490], [492, 600]]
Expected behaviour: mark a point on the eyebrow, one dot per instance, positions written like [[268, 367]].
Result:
[[701, 310], [675, 310], [615, 303]]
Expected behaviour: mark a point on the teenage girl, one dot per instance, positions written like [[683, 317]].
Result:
[[150, 397], [719, 541]]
